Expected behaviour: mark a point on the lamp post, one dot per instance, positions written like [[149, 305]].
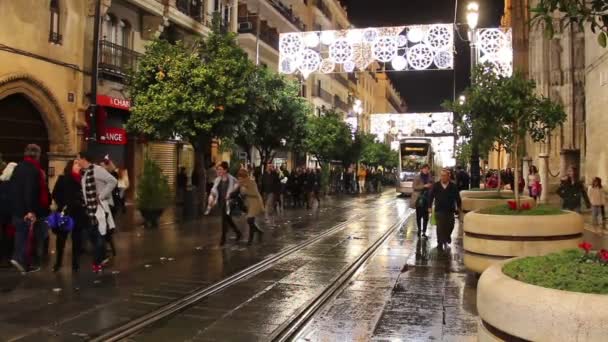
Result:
[[358, 109], [472, 20], [92, 112]]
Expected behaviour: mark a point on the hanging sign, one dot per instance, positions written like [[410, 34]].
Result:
[[113, 136], [108, 101]]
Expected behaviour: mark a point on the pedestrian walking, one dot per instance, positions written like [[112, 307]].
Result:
[[572, 191], [97, 187], [462, 179], [534, 186], [271, 187], [253, 201], [223, 185], [423, 182], [446, 197], [67, 194], [316, 186], [597, 200], [30, 205], [123, 186], [362, 174]]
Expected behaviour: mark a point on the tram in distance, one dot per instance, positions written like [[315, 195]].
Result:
[[413, 153]]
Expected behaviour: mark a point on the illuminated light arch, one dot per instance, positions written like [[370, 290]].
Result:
[[495, 46], [422, 47]]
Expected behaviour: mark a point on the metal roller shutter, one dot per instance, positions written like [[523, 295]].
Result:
[[165, 155]]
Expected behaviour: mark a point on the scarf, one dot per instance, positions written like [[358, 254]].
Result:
[[90, 190], [43, 194]]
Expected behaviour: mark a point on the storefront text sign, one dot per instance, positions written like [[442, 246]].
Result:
[[113, 136], [108, 101]]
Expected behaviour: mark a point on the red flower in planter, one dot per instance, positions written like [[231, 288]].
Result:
[[526, 206], [586, 246], [512, 205], [603, 254]]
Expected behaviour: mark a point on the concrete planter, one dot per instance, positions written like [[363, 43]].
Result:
[[511, 310], [492, 238], [484, 193], [476, 203]]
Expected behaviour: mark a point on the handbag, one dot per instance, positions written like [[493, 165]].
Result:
[[60, 222], [236, 205]]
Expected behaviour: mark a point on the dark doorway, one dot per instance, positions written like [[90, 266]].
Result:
[[21, 124]]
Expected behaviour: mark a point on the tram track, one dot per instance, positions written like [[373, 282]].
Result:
[[174, 308]]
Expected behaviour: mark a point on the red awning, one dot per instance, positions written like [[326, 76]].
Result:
[[108, 101]]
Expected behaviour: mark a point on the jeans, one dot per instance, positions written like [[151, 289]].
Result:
[[76, 247], [270, 201], [226, 223], [596, 214], [361, 186], [422, 219], [99, 244], [22, 231]]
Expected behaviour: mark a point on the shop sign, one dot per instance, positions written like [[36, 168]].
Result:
[[113, 136], [108, 101]]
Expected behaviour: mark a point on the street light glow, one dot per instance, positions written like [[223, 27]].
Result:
[[472, 15], [462, 99]]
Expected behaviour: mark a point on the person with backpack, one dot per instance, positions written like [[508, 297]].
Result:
[[419, 200]]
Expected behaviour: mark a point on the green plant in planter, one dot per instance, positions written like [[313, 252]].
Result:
[[571, 270], [539, 210], [153, 195]]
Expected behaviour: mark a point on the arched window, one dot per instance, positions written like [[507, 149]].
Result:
[[54, 32]]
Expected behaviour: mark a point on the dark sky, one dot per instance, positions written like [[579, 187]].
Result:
[[425, 90]]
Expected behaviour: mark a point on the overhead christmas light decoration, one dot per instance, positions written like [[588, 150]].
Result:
[[495, 46], [417, 47], [408, 124]]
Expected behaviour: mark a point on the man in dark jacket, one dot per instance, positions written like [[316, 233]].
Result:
[[447, 203], [30, 198], [462, 179]]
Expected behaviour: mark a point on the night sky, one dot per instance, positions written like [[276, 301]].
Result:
[[425, 90]]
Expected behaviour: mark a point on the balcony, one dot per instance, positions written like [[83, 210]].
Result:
[[191, 8], [341, 79], [116, 60], [287, 12], [320, 4], [338, 103], [322, 93], [248, 25]]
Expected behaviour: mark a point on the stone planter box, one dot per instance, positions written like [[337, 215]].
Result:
[[477, 203], [484, 193], [511, 310], [492, 238]]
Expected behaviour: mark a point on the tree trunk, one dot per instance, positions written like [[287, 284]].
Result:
[[516, 176], [201, 162], [499, 175]]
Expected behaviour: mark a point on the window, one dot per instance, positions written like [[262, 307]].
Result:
[[124, 34], [109, 28], [54, 32]]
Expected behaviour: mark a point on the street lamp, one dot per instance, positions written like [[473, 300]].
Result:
[[472, 21], [462, 99]]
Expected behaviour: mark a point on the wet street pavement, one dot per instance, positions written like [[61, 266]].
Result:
[[409, 291], [406, 291]]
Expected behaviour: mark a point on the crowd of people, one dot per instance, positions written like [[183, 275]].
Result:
[[82, 205], [366, 179]]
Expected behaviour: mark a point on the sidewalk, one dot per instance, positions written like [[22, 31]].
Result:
[[152, 268]]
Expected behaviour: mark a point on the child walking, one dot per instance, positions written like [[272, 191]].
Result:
[[596, 197]]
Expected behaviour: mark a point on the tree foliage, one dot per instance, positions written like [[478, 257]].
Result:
[[327, 136], [379, 154], [575, 13], [504, 110], [194, 92], [276, 114]]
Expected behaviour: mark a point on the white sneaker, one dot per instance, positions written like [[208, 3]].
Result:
[[18, 266]]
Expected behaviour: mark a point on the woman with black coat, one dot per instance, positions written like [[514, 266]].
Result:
[[68, 197]]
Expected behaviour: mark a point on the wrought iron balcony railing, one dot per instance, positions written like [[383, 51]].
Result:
[[115, 59], [287, 12]]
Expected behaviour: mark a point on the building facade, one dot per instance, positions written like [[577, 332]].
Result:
[[46, 67]]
